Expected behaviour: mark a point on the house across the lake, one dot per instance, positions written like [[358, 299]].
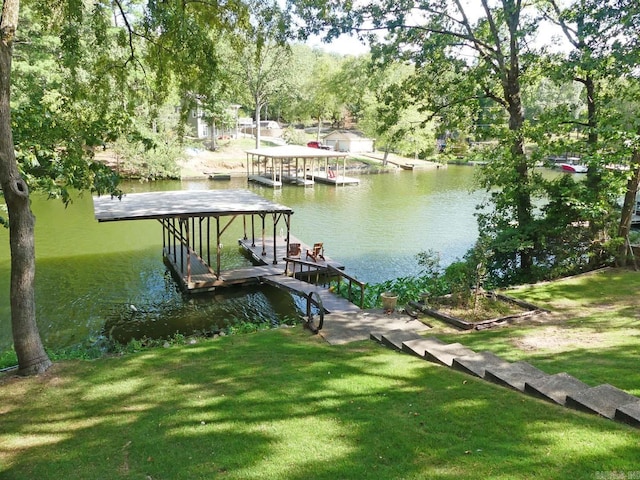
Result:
[[351, 141], [268, 128]]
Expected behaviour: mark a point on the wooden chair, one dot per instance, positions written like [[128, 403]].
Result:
[[316, 251], [294, 250]]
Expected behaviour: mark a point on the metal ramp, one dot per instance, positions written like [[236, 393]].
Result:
[[330, 301]]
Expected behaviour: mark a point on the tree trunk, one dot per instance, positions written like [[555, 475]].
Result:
[[32, 358], [594, 174], [522, 191], [513, 96], [629, 207], [385, 158], [592, 110], [214, 136], [258, 108]]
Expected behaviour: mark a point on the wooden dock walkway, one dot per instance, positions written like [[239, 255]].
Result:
[[195, 275], [322, 177], [264, 180], [344, 321], [264, 252], [202, 278], [330, 301]]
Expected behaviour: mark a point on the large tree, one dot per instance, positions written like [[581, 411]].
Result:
[[259, 59], [489, 48], [32, 357], [53, 112], [602, 37], [86, 72]]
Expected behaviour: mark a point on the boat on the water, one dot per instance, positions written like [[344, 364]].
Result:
[[573, 168]]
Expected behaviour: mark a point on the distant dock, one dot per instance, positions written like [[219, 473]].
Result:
[[297, 165]]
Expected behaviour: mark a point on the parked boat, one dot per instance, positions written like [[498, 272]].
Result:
[[573, 168], [220, 176]]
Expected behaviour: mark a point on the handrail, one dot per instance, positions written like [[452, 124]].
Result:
[[342, 274], [313, 266]]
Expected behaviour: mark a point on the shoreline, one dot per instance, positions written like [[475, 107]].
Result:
[[204, 165]]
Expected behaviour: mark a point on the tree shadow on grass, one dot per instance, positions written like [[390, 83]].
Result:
[[284, 405]]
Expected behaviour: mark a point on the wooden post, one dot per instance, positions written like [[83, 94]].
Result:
[[275, 239], [173, 235], [200, 220], [264, 246], [253, 231], [182, 270], [209, 241], [187, 241], [218, 247]]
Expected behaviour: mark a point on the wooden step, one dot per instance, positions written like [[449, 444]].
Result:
[[395, 338], [602, 400], [513, 375], [444, 354], [477, 363], [629, 413], [555, 388], [419, 346], [376, 336]]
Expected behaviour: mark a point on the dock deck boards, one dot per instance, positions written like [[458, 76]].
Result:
[[203, 278], [268, 181], [322, 177], [331, 303], [255, 251], [297, 180]]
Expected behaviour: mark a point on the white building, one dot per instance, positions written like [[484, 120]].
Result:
[[351, 141]]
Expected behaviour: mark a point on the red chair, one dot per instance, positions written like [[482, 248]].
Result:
[[294, 250], [316, 251]]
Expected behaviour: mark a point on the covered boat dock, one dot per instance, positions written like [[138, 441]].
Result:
[[295, 164], [193, 222]]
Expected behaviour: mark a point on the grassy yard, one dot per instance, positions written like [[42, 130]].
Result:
[[284, 405]]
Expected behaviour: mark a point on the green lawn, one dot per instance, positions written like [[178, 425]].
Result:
[[283, 404]]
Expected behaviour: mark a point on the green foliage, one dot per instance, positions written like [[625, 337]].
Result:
[[294, 136], [63, 105], [459, 280], [8, 359], [150, 158]]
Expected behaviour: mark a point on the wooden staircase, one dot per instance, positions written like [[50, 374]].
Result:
[[561, 388]]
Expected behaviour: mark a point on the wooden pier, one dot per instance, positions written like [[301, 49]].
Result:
[[193, 224], [273, 166], [333, 179], [193, 220], [272, 182], [330, 301], [269, 250]]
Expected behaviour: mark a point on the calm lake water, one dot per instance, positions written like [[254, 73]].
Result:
[[89, 274]]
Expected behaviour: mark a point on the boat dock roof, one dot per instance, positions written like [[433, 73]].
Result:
[[183, 203], [295, 151]]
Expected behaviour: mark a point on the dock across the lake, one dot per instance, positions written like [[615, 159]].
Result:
[[297, 165]]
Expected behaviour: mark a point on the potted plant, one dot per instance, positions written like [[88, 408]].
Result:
[[389, 300]]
